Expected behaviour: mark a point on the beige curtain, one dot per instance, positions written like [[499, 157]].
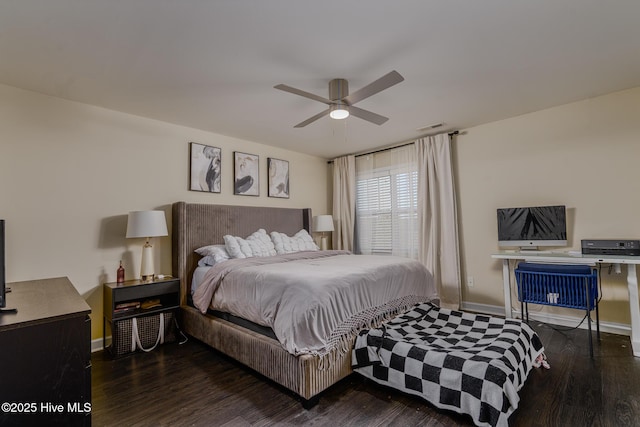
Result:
[[437, 216], [344, 201]]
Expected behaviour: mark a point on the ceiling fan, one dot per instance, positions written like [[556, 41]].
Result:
[[341, 103]]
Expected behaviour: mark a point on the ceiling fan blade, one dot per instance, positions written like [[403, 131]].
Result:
[[302, 93], [379, 85], [313, 119], [367, 115]]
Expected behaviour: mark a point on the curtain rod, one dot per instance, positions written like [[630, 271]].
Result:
[[402, 144]]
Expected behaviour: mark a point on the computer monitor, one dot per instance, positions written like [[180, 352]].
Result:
[[532, 227]]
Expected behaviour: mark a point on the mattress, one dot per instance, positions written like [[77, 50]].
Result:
[[198, 275], [315, 302]]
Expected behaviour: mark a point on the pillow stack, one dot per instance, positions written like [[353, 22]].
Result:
[[258, 244]]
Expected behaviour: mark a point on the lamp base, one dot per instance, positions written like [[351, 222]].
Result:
[[147, 268], [323, 243]]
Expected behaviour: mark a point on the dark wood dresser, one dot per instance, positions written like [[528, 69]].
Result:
[[45, 355]]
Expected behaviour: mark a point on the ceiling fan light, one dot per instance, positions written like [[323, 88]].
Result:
[[338, 112]]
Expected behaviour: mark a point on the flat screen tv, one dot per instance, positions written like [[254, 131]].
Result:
[[532, 227], [3, 301], [3, 284]]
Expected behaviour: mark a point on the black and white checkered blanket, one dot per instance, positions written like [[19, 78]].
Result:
[[471, 364]]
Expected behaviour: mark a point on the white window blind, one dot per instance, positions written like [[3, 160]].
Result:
[[386, 212]]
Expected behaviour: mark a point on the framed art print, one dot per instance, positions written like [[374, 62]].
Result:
[[278, 178], [205, 168], [247, 179]]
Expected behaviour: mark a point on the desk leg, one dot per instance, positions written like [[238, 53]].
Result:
[[634, 307], [506, 282]]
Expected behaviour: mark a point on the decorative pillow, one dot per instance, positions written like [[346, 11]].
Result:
[[301, 241], [258, 244], [215, 253]]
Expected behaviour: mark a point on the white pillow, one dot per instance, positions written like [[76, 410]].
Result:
[[301, 241], [258, 244], [214, 253], [209, 261]]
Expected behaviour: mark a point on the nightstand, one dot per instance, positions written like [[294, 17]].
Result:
[[124, 301]]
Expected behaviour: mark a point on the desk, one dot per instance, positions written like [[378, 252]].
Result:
[[565, 258]]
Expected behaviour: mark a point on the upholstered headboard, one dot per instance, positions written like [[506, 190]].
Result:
[[196, 225]]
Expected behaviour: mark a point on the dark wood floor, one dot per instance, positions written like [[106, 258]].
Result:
[[191, 384]]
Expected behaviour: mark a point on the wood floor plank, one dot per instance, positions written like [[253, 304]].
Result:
[[192, 384]]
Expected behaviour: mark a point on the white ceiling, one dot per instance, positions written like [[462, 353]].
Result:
[[212, 64]]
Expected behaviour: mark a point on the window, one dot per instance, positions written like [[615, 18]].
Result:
[[386, 212]]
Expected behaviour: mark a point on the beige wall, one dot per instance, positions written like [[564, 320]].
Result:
[[70, 173], [584, 155]]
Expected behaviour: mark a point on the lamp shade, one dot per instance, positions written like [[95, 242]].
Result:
[[146, 224], [322, 223]]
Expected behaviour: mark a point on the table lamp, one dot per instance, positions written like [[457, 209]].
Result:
[[322, 224], [146, 224]]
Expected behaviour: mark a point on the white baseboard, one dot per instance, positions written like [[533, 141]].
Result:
[[496, 310], [554, 319], [493, 310], [96, 345]]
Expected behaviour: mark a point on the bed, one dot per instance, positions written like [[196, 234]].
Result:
[[195, 225]]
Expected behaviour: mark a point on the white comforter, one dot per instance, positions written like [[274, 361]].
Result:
[[313, 300]]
